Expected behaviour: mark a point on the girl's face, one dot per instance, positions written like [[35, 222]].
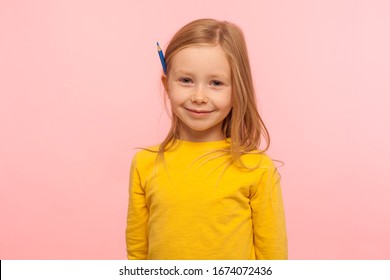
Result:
[[200, 92]]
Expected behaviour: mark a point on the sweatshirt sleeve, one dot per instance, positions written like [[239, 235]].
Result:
[[269, 228], [137, 217]]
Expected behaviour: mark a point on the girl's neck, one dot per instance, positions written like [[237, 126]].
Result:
[[210, 135]]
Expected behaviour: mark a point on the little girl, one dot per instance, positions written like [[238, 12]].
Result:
[[207, 192]]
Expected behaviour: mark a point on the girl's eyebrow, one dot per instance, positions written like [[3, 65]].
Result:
[[218, 75], [213, 75], [179, 71]]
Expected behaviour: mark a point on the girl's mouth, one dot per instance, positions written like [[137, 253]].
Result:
[[198, 112]]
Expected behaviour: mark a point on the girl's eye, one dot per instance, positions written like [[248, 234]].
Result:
[[216, 83], [185, 80]]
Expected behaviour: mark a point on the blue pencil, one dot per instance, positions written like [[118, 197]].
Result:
[[160, 53]]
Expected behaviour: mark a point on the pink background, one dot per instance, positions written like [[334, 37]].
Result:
[[80, 89]]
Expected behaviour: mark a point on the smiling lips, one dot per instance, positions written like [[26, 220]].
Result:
[[198, 112]]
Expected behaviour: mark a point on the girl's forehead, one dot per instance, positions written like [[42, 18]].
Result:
[[201, 58]]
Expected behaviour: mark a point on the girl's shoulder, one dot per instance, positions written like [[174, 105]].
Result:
[[145, 155], [258, 157], [151, 150], [259, 161]]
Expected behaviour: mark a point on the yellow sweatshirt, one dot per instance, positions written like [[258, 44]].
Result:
[[195, 209]]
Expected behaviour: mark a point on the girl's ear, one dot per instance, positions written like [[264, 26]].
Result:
[[164, 80]]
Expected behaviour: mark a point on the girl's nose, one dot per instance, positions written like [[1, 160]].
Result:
[[199, 96]]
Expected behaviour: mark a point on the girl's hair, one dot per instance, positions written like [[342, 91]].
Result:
[[243, 125]]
